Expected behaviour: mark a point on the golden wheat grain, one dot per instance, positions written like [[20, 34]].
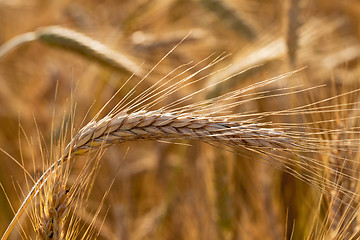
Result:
[[153, 125]]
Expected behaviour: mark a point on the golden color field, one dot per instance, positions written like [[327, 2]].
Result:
[[180, 119]]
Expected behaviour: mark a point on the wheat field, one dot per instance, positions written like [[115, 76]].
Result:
[[180, 119]]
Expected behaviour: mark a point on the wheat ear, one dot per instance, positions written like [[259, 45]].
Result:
[[75, 42], [86, 46], [55, 208], [153, 125]]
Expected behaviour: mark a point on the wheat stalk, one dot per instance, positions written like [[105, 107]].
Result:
[[292, 26]]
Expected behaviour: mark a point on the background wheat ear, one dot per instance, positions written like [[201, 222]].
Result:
[[75, 42], [55, 203]]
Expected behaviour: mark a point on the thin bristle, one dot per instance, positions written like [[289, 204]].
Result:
[[343, 172]]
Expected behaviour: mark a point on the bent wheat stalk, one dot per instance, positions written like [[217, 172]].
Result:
[[156, 125]]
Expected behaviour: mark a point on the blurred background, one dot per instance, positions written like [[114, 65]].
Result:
[[166, 190]]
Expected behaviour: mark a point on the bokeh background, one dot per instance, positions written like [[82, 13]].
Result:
[[165, 190]]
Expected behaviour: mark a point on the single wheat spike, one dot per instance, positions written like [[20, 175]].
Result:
[[153, 125]]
